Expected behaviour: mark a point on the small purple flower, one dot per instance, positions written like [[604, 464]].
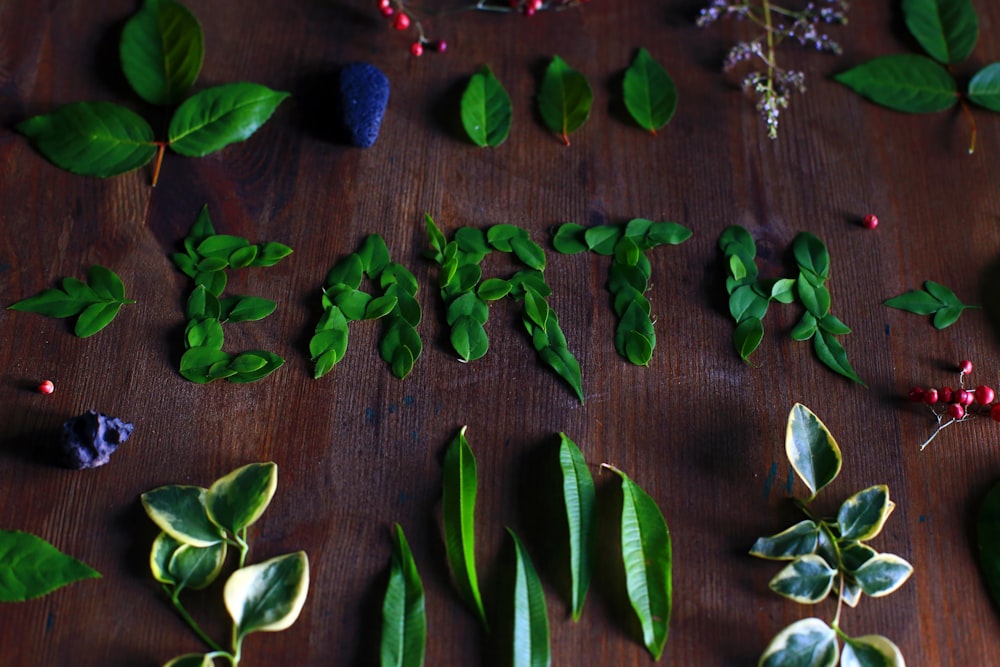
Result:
[[89, 440]]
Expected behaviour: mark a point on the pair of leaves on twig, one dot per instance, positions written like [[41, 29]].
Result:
[[94, 303], [948, 31], [31, 567], [645, 550], [162, 49], [935, 299], [830, 556], [565, 100]]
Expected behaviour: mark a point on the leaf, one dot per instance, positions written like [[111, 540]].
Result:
[[811, 449], [862, 516], [245, 308], [871, 651], [179, 511], [404, 619], [984, 88], [196, 362], [493, 289], [237, 500], [579, 499], [806, 643], [162, 50], [469, 338], [569, 239], [649, 92], [815, 299], [807, 579], [903, 82], [92, 138], [811, 255], [806, 327], [798, 540], [988, 541], [565, 365], [646, 553], [51, 303], [947, 29], [882, 574], [106, 283], [747, 336], [531, 624], [269, 254], [915, 301], [947, 316], [271, 363], [529, 252], [400, 346], [95, 317], [267, 596], [603, 239], [458, 504], [638, 348], [831, 352], [486, 109], [31, 567], [216, 117], [564, 98], [196, 567]]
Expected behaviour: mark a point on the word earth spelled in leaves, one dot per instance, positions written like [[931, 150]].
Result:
[[162, 49]]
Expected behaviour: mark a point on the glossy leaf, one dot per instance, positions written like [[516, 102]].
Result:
[[988, 541], [798, 540], [92, 138], [31, 567], [806, 643], [855, 554], [903, 82], [832, 353], [162, 49], [871, 651], [649, 92], [862, 516], [267, 596], [95, 317], [747, 336], [180, 512], [579, 499], [404, 618], [216, 117], [245, 308], [564, 99], [194, 567], [458, 504], [807, 580], [469, 338], [882, 574], [569, 239], [646, 553], [486, 109], [263, 364], [811, 255], [811, 449], [400, 346], [531, 623], [947, 29], [237, 500], [197, 362], [984, 88]]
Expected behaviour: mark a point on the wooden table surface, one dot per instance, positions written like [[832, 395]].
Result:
[[701, 431]]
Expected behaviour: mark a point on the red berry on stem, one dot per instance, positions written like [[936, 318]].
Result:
[[947, 395], [870, 221], [46, 387], [965, 397], [965, 367], [401, 22], [387, 11], [916, 395], [956, 411], [995, 412], [440, 46], [931, 396], [417, 49], [384, 3], [984, 394]]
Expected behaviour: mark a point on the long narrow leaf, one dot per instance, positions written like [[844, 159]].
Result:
[[404, 618], [531, 623], [579, 498]]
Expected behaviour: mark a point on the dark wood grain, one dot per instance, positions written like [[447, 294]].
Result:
[[358, 450]]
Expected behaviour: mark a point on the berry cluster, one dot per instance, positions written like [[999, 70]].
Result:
[[958, 404]]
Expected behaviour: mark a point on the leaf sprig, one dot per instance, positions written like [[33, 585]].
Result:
[[934, 299], [94, 303]]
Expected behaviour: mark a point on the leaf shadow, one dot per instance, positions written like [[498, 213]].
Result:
[[975, 503], [369, 610], [616, 100], [445, 111], [498, 648], [319, 106], [989, 297], [38, 447]]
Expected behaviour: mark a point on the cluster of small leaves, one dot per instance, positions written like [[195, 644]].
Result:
[[628, 277], [345, 302], [830, 555], [31, 567], [162, 49], [773, 85], [750, 296], [198, 527], [466, 295], [934, 299], [94, 303], [206, 258], [645, 551], [948, 31]]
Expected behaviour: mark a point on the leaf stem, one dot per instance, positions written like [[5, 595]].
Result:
[[972, 124], [161, 149], [179, 607]]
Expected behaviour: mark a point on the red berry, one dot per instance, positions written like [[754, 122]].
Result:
[[965, 367], [956, 411], [965, 397], [984, 394], [931, 396], [417, 49], [440, 46], [401, 22], [528, 10], [46, 387], [946, 395], [870, 221], [916, 395], [384, 3], [537, 4], [387, 11], [995, 412]]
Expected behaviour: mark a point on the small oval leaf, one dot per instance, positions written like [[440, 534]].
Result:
[[811, 449], [564, 99], [649, 92], [267, 596], [238, 499], [486, 109]]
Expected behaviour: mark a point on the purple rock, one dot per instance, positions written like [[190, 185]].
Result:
[[364, 94], [89, 440]]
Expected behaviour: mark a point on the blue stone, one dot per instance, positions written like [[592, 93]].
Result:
[[89, 440], [364, 94]]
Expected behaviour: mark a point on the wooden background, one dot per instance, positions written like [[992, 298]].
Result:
[[701, 431]]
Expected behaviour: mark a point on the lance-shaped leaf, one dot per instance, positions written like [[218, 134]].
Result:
[[806, 643], [984, 88], [832, 353], [162, 50], [947, 29], [458, 504], [486, 109], [237, 500], [180, 512], [799, 540], [404, 619], [646, 553], [811, 449], [531, 622], [988, 541], [904, 82], [185, 565], [267, 596], [862, 516], [92, 138], [807, 579], [871, 651], [564, 98], [214, 118], [649, 92], [882, 574], [31, 567], [579, 498]]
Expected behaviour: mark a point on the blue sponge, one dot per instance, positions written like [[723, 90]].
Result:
[[89, 440], [364, 94]]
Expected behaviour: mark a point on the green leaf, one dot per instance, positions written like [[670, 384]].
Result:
[[380, 306], [942, 293], [105, 283], [31, 567], [531, 624], [646, 553], [984, 88], [271, 363], [811, 449], [806, 327], [783, 291], [51, 303], [807, 579], [815, 299], [486, 109], [400, 346], [564, 98], [469, 339], [855, 554], [404, 619], [882, 574], [947, 316], [196, 363], [221, 246], [374, 255], [603, 239], [903, 82], [988, 541], [269, 254], [237, 500], [241, 258], [806, 643], [564, 364], [832, 325], [436, 239], [536, 309], [638, 348], [267, 596], [947, 29], [190, 566], [579, 499], [458, 505], [95, 317], [92, 138], [493, 289], [245, 308], [799, 540], [862, 516], [179, 511], [871, 651], [649, 92], [214, 118], [915, 301], [569, 239], [831, 352], [162, 50], [529, 252], [811, 255], [747, 336]]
